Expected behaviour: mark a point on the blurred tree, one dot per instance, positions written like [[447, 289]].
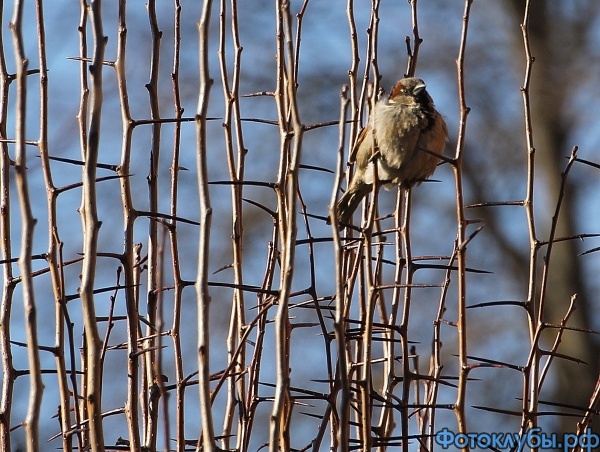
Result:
[[562, 42]]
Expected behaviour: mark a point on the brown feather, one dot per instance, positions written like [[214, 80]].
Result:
[[408, 130]]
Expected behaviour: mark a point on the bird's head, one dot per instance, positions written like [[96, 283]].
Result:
[[409, 90]]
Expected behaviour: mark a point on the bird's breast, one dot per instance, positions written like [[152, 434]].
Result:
[[397, 130]]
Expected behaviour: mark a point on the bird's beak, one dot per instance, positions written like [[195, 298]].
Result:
[[419, 88]]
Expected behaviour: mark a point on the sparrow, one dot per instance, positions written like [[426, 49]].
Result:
[[409, 131]]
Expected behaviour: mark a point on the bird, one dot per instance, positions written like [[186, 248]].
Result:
[[410, 134]]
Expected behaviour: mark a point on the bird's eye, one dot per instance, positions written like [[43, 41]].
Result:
[[405, 91]]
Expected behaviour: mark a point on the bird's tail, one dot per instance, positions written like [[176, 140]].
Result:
[[350, 201]]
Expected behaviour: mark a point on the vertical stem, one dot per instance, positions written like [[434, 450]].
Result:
[[406, 372], [82, 119], [413, 55], [178, 282], [365, 388], [531, 376], [129, 216], [291, 131], [202, 292], [231, 126], [28, 222], [149, 374], [254, 366], [353, 74], [340, 430], [91, 226], [8, 285], [459, 407], [54, 243], [435, 363]]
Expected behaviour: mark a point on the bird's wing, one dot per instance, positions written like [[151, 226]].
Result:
[[435, 137], [361, 137]]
